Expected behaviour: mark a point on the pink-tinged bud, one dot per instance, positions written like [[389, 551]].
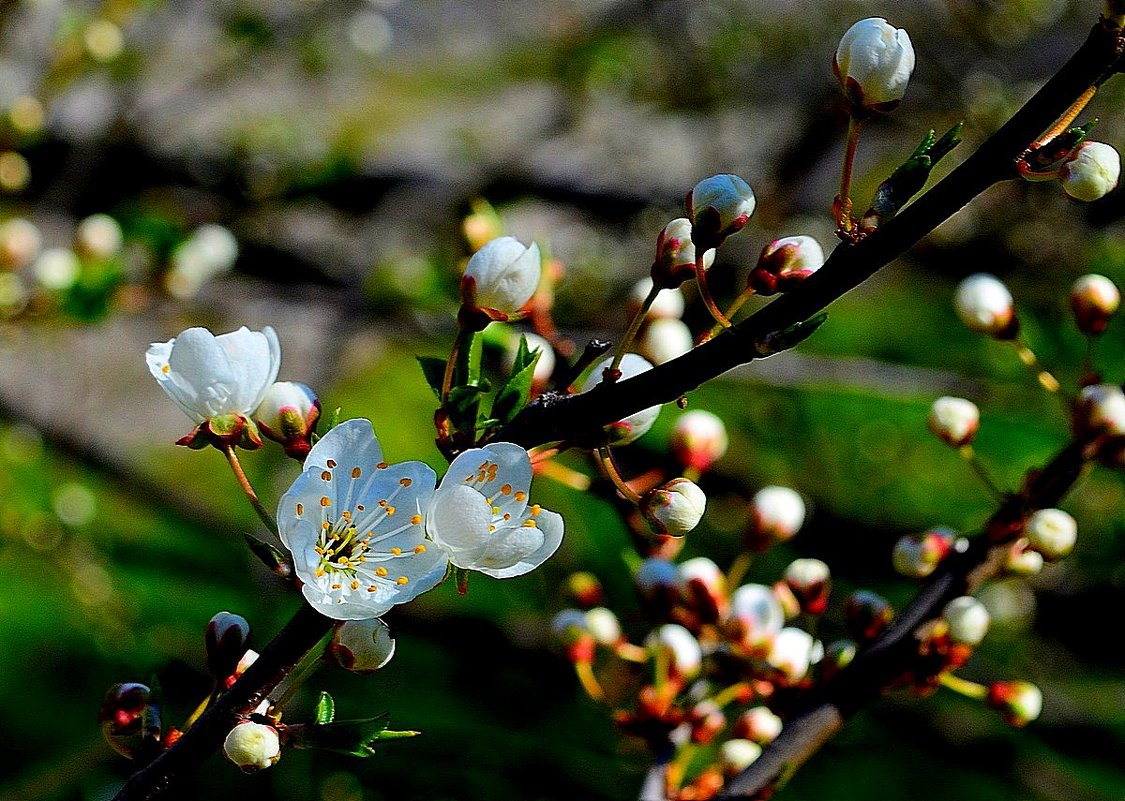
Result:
[[248, 658], [252, 746], [569, 628], [873, 63], [287, 415], [707, 720], [703, 587], [810, 581], [718, 207], [668, 303], [604, 626], [1018, 702], [501, 277], [967, 619], [675, 260], [985, 305], [674, 508], [361, 646], [699, 439], [685, 657], [793, 651], [130, 724], [1100, 408], [1022, 560], [1094, 299], [776, 514], [867, 615], [1051, 532], [737, 755], [585, 589], [759, 725], [918, 555], [954, 420], [1092, 172], [664, 340], [784, 263], [755, 617], [226, 639]]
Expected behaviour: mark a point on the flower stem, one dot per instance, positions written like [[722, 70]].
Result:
[[589, 681], [248, 489], [451, 364], [609, 469], [1028, 357], [634, 327], [970, 456], [566, 476], [705, 293], [731, 311], [969, 689], [1063, 122], [842, 207]]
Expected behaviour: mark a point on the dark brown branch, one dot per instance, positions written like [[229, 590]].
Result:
[[896, 651], [580, 417], [300, 635]]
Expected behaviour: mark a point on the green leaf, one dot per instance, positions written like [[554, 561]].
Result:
[[514, 395], [433, 369], [463, 406], [325, 709], [353, 737], [525, 356]]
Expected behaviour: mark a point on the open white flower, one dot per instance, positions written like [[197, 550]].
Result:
[[218, 381], [480, 516], [354, 525]]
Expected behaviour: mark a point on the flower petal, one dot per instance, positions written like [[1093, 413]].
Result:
[[550, 527], [352, 442], [157, 359], [255, 357], [501, 471]]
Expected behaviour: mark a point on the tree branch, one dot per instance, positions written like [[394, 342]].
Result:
[[554, 417]]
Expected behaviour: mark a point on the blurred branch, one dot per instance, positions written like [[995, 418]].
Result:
[[300, 635], [554, 417]]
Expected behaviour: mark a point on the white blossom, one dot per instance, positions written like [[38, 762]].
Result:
[[984, 304], [873, 63], [954, 420], [1051, 532], [504, 275], [968, 620], [252, 746]]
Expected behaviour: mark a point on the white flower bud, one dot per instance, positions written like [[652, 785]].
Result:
[[810, 581], [784, 263], [288, 414], [718, 207], [703, 588], [362, 646], [1092, 171], [1019, 702], [680, 645], [635, 425], [967, 619], [873, 63], [665, 339], [1023, 561], [778, 513], [1100, 408], [98, 236], [252, 746], [755, 615], [503, 275], [675, 260], [758, 724], [985, 305], [57, 269], [655, 577], [604, 626], [792, 652], [1051, 532], [668, 303], [918, 555], [1094, 299], [674, 508], [736, 756], [699, 439], [954, 420]]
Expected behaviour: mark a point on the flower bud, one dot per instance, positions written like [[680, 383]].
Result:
[[637, 424], [361, 646], [1023, 561], [1100, 408], [686, 657], [98, 237], [657, 582], [252, 746], [603, 624], [501, 277], [718, 207], [837, 656], [776, 514], [792, 652], [122, 716], [699, 439], [954, 420], [1018, 702], [918, 555], [784, 263], [668, 303], [570, 630], [287, 415], [758, 724], [1093, 299], [674, 508], [867, 615], [585, 589], [703, 587], [985, 305], [755, 616], [810, 581], [1092, 172], [226, 639], [967, 619], [665, 339], [675, 260], [1051, 532], [737, 755], [873, 64]]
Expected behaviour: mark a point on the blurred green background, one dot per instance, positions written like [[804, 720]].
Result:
[[342, 143]]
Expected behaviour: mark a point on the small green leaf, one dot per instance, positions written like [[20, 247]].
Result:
[[328, 423], [513, 396], [433, 369], [325, 709], [352, 737]]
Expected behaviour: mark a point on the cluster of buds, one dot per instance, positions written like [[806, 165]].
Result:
[[663, 335]]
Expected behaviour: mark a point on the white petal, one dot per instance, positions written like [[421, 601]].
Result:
[[157, 359], [458, 519], [352, 442], [550, 524], [255, 358], [506, 486]]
